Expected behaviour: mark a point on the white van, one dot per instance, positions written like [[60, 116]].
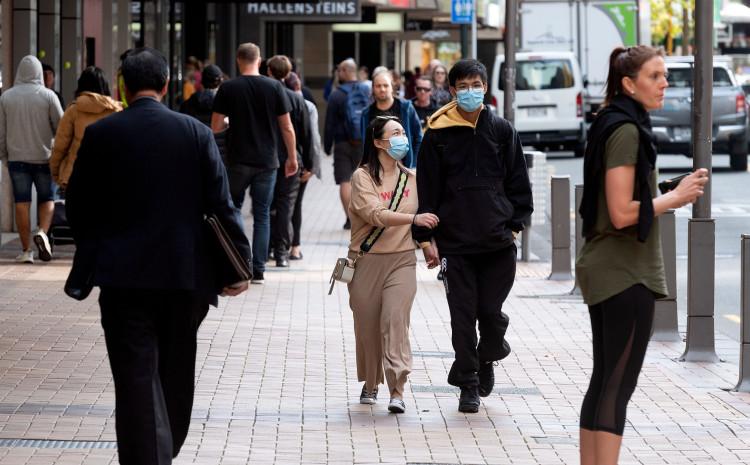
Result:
[[549, 99]]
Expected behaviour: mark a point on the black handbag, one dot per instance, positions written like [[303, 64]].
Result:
[[229, 265], [80, 280]]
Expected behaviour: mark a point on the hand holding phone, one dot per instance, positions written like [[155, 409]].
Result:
[[689, 187], [671, 184]]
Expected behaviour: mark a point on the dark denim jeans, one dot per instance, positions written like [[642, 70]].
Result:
[[259, 183]]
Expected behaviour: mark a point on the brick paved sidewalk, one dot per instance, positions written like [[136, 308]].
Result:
[[276, 379]]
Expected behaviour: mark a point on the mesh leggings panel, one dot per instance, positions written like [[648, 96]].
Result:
[[620, 329]]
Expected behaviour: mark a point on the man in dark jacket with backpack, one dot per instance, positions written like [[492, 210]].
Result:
[[343, 133], [472, 175]]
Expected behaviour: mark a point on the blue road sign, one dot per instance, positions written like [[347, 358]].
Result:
[[461, 11]]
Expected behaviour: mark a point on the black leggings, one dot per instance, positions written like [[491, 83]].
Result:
[[620, 330]]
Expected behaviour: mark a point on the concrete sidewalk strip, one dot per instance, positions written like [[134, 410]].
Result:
[[276, 376]]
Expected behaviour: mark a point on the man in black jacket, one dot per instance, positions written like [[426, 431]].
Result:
[[472, 175], [142, 183], [287, 188]]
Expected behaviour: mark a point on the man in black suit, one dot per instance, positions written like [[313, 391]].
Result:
[[142, 183]]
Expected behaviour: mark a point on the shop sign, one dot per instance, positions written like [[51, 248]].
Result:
[[323, 10]]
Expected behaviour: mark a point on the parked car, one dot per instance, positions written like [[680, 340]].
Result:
[[672, 124], [549, 99]]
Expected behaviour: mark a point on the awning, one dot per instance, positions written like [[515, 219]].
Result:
[[735, 13]]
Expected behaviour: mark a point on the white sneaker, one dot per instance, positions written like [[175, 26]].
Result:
[[42, 243], [396, 406], [27, 256]]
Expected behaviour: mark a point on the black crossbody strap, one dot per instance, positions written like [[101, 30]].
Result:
[[396, 198]]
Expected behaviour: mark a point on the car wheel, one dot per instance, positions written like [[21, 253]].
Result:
[[738, 154]]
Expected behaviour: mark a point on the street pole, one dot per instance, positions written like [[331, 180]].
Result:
[[700, 344], [511, 31], [474, 29], [463, 30], [686, 29]]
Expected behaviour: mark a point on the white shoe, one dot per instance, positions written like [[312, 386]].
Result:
[[27, 256], [42, 243], [396, 406]]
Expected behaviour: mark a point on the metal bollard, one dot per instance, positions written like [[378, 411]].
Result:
[[561, 229], [700, 342], [743, 384], [665, 310], [526, 233], [579, 233]]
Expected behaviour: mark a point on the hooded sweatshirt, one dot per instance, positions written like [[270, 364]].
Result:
[[473, 176], [29, 114], [87, 108]]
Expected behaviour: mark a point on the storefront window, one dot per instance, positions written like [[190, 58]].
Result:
[[449, 53]]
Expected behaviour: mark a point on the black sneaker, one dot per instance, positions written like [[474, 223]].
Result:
[[469, 401], [368, 397], [257, 277], [348, 224], [282, 262], [486, 375]]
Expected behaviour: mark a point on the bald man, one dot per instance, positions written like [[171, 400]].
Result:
[[386, 104]]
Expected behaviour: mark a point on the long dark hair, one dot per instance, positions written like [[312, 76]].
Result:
[[92, 80], [370, 160], [626, 62]]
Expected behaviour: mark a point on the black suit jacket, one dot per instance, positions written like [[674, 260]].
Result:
[[143, 180]]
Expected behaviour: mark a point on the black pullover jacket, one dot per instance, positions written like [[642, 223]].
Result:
[[474, 178]]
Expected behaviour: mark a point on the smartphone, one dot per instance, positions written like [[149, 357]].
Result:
[[671, 184]]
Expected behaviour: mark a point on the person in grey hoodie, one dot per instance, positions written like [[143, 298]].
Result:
[[29, 114]]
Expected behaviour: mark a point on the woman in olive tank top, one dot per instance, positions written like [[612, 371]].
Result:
[[620, 267]]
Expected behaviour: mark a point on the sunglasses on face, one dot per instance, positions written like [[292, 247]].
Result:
[[424, 89]]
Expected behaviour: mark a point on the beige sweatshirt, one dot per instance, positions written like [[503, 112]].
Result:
[[369, 208]]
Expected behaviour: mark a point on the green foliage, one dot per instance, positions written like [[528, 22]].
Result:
[[666, 19]]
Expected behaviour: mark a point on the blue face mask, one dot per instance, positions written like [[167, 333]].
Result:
[[399, 147], [469, 99]]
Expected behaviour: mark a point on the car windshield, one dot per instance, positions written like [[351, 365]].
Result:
[[541, 74], [683, 78]]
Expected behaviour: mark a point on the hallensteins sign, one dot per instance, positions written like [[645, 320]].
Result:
[[308, 11]]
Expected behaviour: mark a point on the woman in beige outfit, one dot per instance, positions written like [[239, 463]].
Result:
[[385, 283], [92, 103]]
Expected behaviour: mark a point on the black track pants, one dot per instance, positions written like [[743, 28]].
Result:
[[476, 286], [620, 330]]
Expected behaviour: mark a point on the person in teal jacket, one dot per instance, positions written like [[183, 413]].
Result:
[[385, 104]]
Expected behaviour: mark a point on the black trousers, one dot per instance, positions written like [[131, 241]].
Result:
[[284, 197], [476, 286], [297, 216], [151, 342], [620, 331]]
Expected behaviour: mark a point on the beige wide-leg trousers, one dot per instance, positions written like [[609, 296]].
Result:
[[380, 296]]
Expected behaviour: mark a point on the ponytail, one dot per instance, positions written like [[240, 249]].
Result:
[[626, 62]]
